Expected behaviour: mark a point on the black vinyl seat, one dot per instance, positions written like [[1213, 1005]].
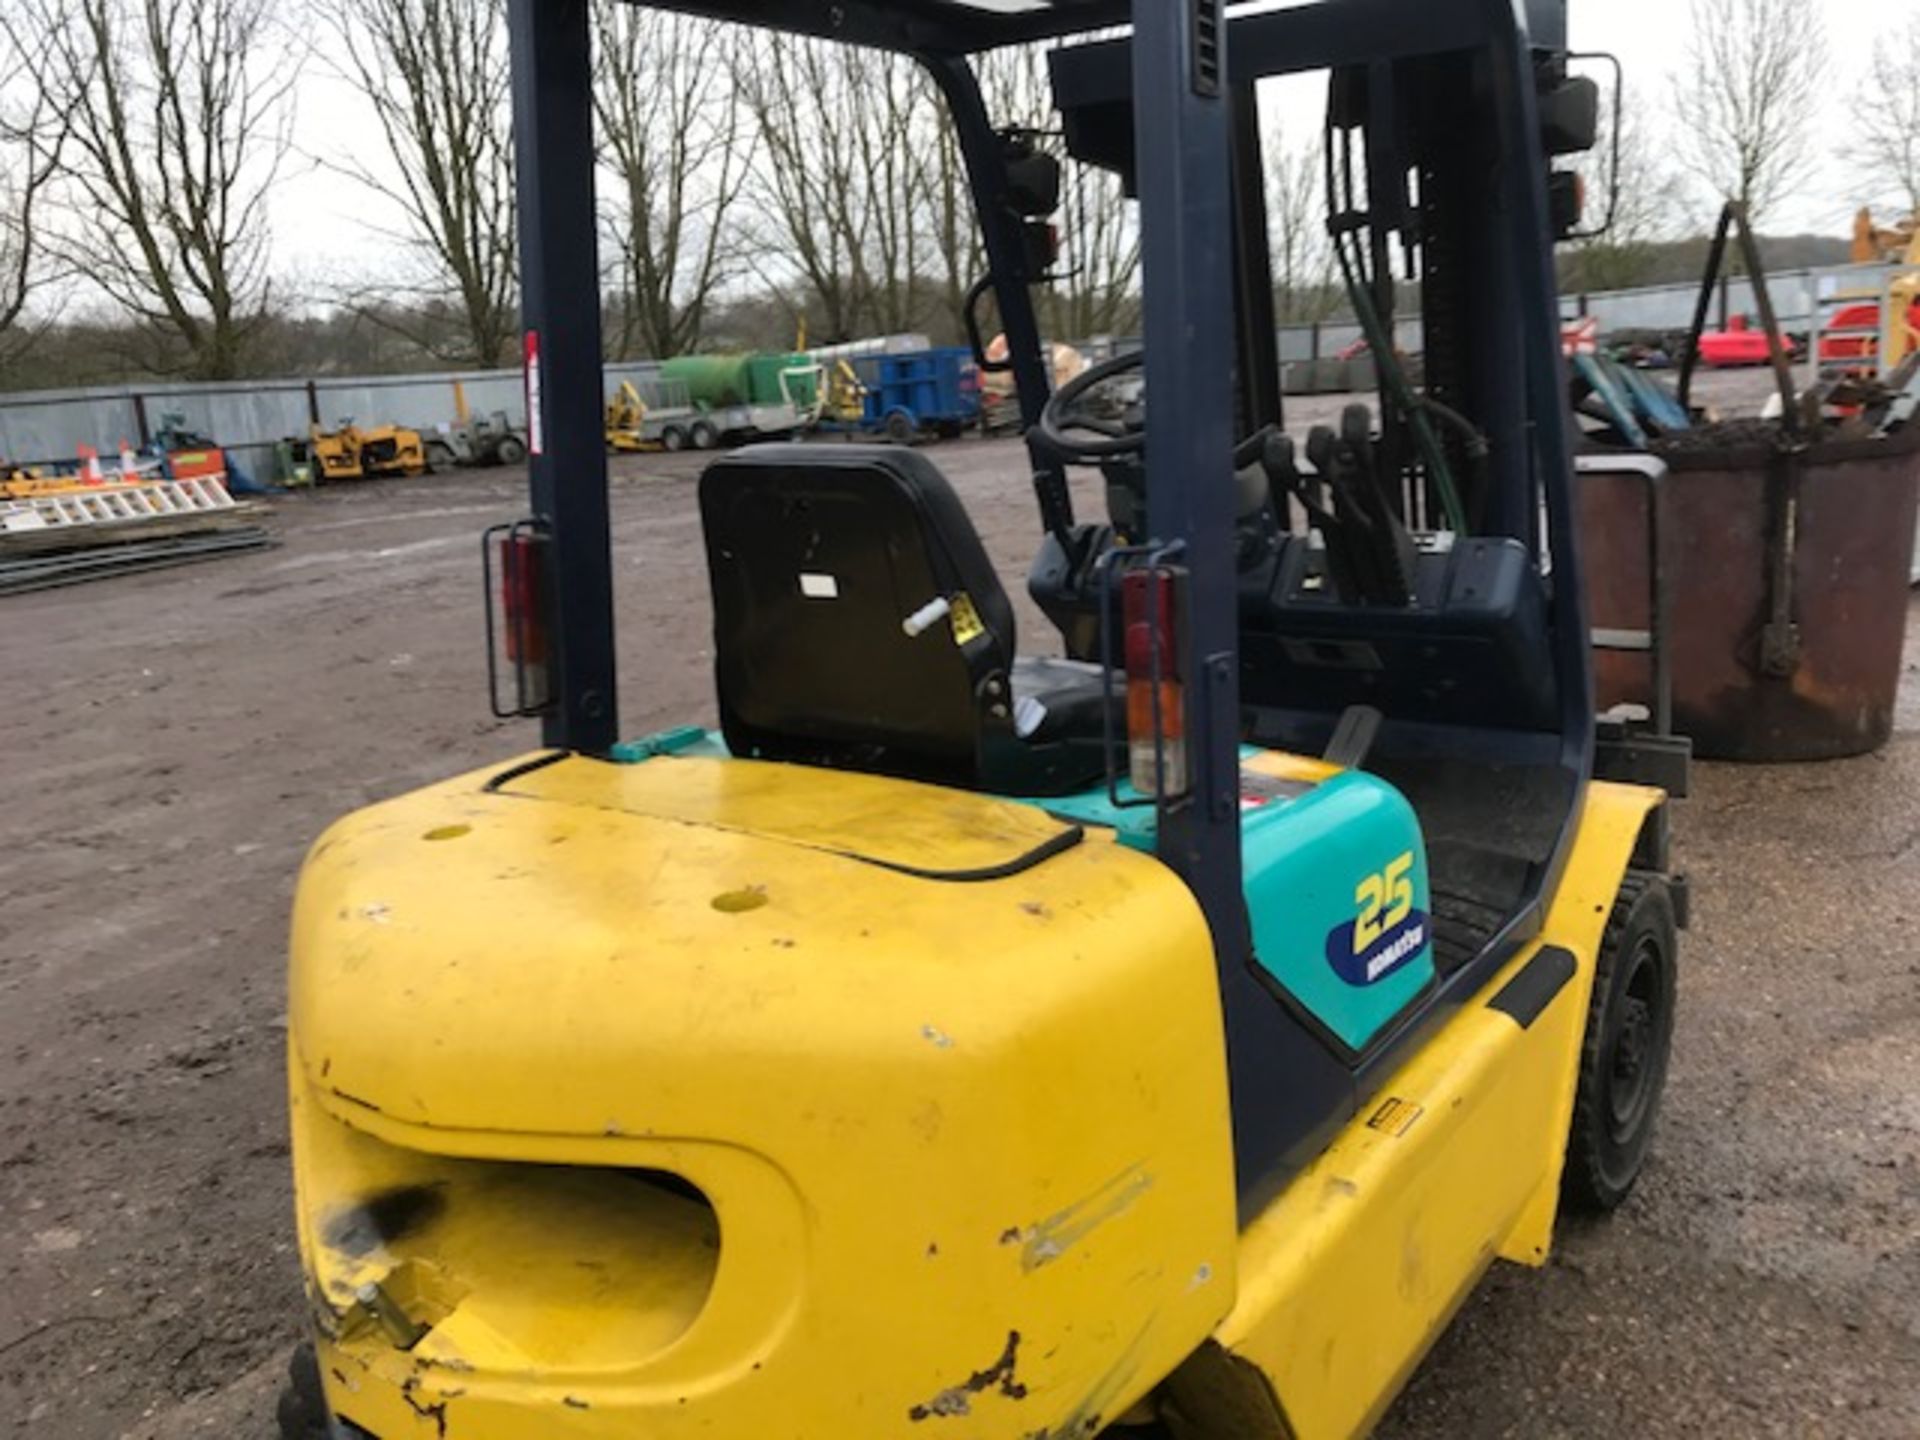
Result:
[[818, 559]]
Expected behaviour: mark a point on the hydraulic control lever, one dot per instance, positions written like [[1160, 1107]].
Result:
[[1370, 555]]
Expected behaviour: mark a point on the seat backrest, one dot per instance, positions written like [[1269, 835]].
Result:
[[817, 556]]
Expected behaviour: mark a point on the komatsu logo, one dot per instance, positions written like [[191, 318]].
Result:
[[1390, 954], [1386, 935]]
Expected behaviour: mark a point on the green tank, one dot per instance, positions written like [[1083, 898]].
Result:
[[718, 381]]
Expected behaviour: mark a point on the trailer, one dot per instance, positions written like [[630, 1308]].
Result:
[[913, 394], [744, 397]]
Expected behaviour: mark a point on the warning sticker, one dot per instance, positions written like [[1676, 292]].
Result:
[[1258, 790], [1395, 1117], [536, 412], [966, 620]]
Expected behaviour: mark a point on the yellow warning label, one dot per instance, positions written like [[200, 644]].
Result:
[[966, 620], [1395, 1117]]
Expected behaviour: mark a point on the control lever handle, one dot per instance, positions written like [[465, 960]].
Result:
[[926, 617]]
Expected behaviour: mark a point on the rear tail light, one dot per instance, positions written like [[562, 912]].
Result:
[[1566, 201], [1042, 239], [519, 558], [1156, 690]]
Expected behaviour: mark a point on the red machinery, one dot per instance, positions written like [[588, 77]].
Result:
[[1738, 344]]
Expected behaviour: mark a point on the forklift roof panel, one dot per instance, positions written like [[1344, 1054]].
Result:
[[926, 26], [954, 27]]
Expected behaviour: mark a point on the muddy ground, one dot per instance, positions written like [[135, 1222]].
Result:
[[173, 742]]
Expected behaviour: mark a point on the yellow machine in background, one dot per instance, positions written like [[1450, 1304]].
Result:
[[846, 402], [1896, 310], [626, 422], [1899, 245], [19, 482], [351, 452]]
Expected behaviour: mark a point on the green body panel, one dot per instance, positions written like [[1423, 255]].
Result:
[[1314, 857], [1336, 884]]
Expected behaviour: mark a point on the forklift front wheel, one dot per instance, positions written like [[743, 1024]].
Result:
[[1623, 1065]]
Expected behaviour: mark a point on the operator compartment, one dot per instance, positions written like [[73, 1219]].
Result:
[[615, 1083]]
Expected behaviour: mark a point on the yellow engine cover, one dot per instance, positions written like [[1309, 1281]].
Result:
[[939, 1094]]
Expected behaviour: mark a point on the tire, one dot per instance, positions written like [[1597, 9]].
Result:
[[900, 428], [703, 436], [1623, 1063], [302, 1411], [512, 451], [673, 439], [440, 459]]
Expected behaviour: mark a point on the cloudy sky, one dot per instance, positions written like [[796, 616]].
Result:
[[1649, 36]]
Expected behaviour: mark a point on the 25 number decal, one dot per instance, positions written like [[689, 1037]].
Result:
[[1385, 900]]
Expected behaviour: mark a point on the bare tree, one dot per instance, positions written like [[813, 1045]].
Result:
[[436, 73], [673, 133], [840, 190], [1755, 68], [1887, 111], [894, 132], [806, 187], [959, 251], [178, 116], [32, 133], [1303, 274]]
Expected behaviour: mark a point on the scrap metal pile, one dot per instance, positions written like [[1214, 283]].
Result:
[[62, 530]]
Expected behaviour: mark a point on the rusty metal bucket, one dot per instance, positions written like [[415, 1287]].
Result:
[[1788, 587]]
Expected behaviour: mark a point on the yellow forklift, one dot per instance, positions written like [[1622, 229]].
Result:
[[1159, 1041]]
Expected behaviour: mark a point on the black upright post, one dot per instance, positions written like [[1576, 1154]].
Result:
[[1282, 1082], [1001, 230], [560, 300], [1183, 138]]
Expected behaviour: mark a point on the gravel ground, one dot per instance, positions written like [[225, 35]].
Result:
[[176, 740]]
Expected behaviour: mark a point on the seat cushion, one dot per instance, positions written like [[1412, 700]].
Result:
[[1057, 699]]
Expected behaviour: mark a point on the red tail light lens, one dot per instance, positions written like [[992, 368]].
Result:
[[523, 559], [1156, 690]]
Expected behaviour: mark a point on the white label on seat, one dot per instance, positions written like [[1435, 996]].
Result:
[[819, 587]]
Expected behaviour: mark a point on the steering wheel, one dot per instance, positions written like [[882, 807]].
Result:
[[1078, 437], [1070, 433]]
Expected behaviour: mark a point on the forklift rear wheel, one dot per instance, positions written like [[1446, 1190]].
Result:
[[673, 438], [512, 451], [1623, 1065], [302, 1412], [704, 436]]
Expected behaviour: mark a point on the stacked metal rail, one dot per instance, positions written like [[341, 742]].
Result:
[[66, 534]]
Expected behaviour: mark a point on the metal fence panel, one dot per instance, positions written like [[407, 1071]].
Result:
[[53, 425], [250, 416]]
